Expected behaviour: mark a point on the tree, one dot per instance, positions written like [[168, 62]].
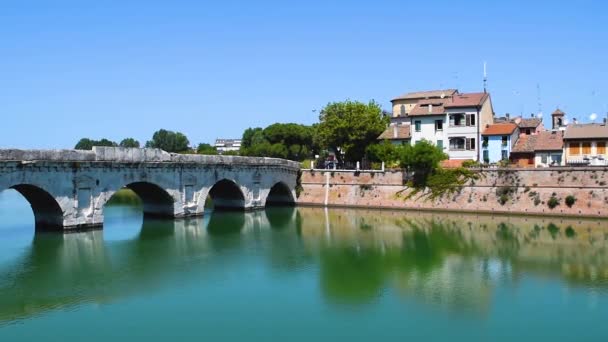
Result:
[[279, 140], [206, 149], [87, 144], [349, 127], [385, 152], [422, 159], [169, 141], [129, 142]]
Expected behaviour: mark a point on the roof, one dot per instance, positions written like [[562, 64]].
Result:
[[500, 129], [586, 131], [397, 132], [525, 144], [529, 123], [427, 109], [426, 94], [467, 100], [549, 141], [452, 163], [558, 112]]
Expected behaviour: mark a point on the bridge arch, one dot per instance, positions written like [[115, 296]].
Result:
[[227, 195], [48, 214], [280, 195], [156, 201]]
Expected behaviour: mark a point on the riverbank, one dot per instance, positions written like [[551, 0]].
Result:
[[569, 192]]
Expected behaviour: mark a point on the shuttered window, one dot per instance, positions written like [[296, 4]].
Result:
[[601, 147], [586, 148], [574, 149]]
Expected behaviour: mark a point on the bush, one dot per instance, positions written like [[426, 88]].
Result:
[[503, 199], [570, 200], [470, 163], [553, 202]]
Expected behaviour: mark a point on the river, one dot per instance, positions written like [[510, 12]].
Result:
[[303, 274]]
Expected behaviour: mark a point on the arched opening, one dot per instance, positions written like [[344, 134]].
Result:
[[280, 195], [156, 202], [225, 195], [123, 219], [48, 215]]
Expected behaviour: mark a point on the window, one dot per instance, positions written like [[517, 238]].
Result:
[[471, 144], [485, 141], [543, 158], [505, 139], [504, 155], [486, 156], [528, 131], [574, 149], [470, 120], [438, 125], [601, 147], [417, 125], [586, 148], [457, 120], [402, 108], [440, 144], [457, 143], [556, 159]]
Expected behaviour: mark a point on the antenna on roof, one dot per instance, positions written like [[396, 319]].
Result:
[[485, 77], [540, 107]]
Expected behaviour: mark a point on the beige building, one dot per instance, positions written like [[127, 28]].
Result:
[[404, 104], [585, 144]]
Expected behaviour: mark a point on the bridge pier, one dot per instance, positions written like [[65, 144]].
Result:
[[68, 189]]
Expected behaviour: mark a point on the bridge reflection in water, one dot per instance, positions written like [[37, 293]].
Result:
[[450, 262]]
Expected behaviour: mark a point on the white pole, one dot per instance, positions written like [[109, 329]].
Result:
[[382, 166], [358, 166]]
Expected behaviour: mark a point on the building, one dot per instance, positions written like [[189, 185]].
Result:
[[558, 120], [549, 149], [397, 134], [226, 145], [403, 105], [498, 141], [585, 144], [529, 126], [543, 149], [447, 118]]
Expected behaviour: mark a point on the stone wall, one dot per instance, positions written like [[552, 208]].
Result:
[[528, 191]]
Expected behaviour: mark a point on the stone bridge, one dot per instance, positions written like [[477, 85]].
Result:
[[68, 189]]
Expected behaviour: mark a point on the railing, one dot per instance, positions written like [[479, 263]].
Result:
[[363, 166]]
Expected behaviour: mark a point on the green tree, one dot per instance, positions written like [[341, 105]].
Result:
[[350, 127], [169, 141], [206, 149], [87, 144], [129, 142], [279, 140], [385, 151], [421, 159]]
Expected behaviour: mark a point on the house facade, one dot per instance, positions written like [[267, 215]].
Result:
[[548, 149], [498, 141], [397, 134], [225, 145], [586, 144]]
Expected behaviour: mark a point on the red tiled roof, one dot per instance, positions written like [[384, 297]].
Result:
[[426, 109], [558, 112], [529, 123], [400, 132], [549, 141], [500, 129], [426, 94], [466, 100], [525, 144]]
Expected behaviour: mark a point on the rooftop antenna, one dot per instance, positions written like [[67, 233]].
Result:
[[485, 77], [540, 107]]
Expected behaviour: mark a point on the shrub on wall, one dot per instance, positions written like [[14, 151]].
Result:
[[570, 200], [553, 202]]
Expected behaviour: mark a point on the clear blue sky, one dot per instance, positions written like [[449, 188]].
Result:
[[72, 69]]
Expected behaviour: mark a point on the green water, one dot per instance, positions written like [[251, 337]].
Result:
[[304, 274]]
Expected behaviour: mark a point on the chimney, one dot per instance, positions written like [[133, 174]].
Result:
[[508, 116], [430, 108], [605, 120], [395, 131], [574, 121]]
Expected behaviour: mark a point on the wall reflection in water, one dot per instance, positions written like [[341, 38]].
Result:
[[453, 262]]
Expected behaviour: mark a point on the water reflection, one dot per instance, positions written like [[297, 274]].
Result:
[[451, 262]]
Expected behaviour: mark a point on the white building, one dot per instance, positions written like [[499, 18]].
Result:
[[450, 120], [225, 145]]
